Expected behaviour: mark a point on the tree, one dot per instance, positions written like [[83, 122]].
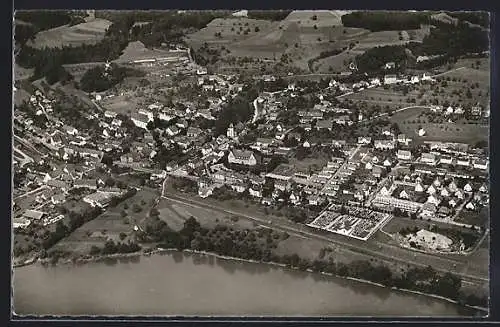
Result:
[[257, 29]]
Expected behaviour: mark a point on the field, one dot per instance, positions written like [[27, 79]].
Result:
[[110, 224], [410, 120], [174, 214], [137, 51], [120, 104], [21, 73], [89, 32]]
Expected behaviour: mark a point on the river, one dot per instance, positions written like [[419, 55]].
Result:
[[193, 284]]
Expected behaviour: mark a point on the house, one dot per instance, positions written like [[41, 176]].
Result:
[[368, 166], [342, 120], [364, 140], [61, 185], [264, 142], [387, 163], [231, 132], [307, 127], [431, 190], [295, 198], [421, 132], [182, 124], [403, 155], [339, 143], [468, 188], [428, 158], [464, 162], [403, 195], [445, 192], [452, 186], [384, 144], [434, 199], [483, 188], [470, 206], [390, 79], [58, 198], [194, 131], [437, 182], [390, 65], [33, 214], [238, 187], [378, 171], [172, 130], [428, 210], [140, 121], [255, 191], [453, 202], [443, 212], [267, 201], [281, 185], [476, 110], [448, 160], [324, 124], [480, 164], [402, 138], [85, 183], [315, 200], [98, 199], [419, 188], [460, 194], [242, 157], [70, 130]]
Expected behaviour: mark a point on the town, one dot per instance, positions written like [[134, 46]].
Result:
[[394, 163]]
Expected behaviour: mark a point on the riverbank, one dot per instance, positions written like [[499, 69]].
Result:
[[148, 252]]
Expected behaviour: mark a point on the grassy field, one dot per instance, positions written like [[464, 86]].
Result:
[[137, 51], [21, 73], [174, 214], [89, 32], [120, 103], [410, 120]]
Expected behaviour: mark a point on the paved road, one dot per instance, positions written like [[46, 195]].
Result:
[[385, 251]]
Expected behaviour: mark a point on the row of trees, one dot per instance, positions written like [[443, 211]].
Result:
[[246, 245], [385, 20], [99, 79], [274, 15]]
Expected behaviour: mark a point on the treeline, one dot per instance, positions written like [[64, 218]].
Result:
[[239, 109], [385, 20], [453, 41], [274, 15], [246, 245], [480, 18], [99, 79], [44, 19], [374, 59], [110, 247]]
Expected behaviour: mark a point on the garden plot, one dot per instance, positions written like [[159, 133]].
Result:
[[357, 223]]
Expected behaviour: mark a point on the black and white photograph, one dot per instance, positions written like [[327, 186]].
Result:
[[250, 163]]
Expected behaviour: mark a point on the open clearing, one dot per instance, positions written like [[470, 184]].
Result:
[[89, 32], [409, 122], [137, 51], [174, 214], [21, 73]]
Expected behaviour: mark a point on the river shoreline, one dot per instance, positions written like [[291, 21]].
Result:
[[101, 258]]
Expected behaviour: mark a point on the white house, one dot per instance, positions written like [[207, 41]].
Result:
[[431, 190], [428, 158], [470, 206], [242, 157], [419, 188], [465, 162], [390, 79], [364, 140], [468, 187], [480, 164], [384, 144], [403, 155]]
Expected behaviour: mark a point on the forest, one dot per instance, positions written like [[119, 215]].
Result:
[[376, 21]]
